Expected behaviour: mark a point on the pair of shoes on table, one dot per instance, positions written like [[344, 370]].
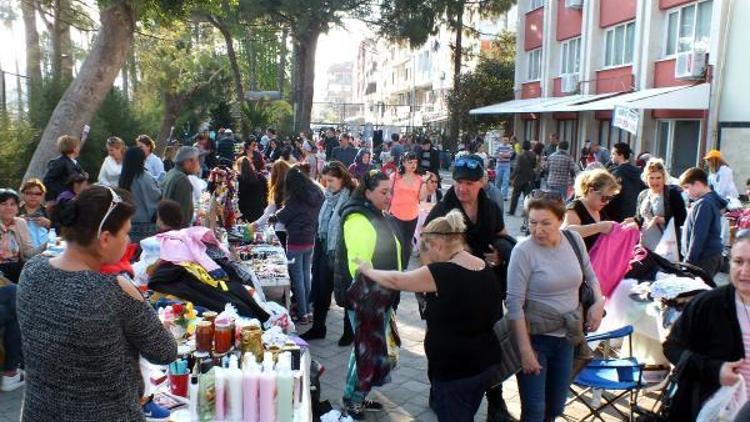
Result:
[[154, 412], [357, 410], [12, 383]]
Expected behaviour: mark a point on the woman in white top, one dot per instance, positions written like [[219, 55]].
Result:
[[721, 177], [154, 165], [109, 175]]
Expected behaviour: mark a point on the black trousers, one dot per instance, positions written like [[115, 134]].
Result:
[[321, 285], [11, 270], [407, 229], [517, 191]]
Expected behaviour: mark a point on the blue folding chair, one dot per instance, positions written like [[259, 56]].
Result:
[[616, 377]]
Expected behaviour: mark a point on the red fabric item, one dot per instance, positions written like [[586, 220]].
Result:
[[123, 266], [611, 255]]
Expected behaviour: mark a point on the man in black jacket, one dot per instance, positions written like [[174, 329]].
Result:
[[485, 229], [429, 157], [523, 175], [345, 153], [623, 205]]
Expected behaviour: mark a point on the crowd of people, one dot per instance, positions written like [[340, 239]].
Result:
[[350, 218]]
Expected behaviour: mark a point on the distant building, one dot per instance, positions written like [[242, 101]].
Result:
[[402, 87]]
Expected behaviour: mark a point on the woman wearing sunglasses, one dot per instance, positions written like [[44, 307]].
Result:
[[594, 189], [83, 331]]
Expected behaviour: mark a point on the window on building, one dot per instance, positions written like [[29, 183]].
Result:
[[619, 45], [530, 129], [535, 4], [570, 60], [534, 65], [687, 26], [610, 135]]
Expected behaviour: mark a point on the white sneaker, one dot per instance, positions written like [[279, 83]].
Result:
[[12, 383]]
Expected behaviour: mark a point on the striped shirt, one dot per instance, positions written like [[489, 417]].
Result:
[[561, 169], [503, 154]]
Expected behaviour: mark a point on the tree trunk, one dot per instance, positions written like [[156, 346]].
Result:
[[125, 82], [454, 128], [33, 54], [282, 61], [304, 82], [133, 70], [62, 46], [173, 104], [19, 90], [85, 94], [237, 76]]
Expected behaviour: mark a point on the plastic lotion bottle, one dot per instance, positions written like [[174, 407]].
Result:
[[267, 390], [250, 379], [234, 390], [284, 388], [193, 398], [220, 389]]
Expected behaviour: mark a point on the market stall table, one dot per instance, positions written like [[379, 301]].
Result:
[[269, 263]]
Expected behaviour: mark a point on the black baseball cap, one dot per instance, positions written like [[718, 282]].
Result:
[[468, 167]]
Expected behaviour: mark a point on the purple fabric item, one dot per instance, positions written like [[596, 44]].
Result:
[[611, 255], [189, 245]]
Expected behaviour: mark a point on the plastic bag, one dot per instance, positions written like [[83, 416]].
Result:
[[667, 246], [724, 404]]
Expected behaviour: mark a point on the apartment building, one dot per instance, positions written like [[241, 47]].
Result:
[[403, 88], [580, 63]]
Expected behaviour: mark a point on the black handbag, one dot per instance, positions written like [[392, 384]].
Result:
[[585, 293]]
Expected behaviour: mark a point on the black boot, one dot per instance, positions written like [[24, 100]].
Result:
[[348, 337], [318, 331], [497, 411]]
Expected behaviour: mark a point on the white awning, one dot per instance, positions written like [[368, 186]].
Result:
[[693, 97], [538, 105], [511, 106]]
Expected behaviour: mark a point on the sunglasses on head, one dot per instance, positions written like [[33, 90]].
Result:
[[116, 199], [468, 162]]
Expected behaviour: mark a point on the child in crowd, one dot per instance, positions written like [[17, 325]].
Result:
[[168, 216]]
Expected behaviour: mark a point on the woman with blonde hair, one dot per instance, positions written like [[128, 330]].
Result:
[[109, 174], [594, 189], [720, 175], [276, 196], [658, 204], [463, 354]]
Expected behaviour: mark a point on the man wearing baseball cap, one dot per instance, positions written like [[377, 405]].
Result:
[[484, 227]]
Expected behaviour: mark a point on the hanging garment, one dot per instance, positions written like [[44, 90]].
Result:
[[177, 281], [370, 302], [189, 245], [611, 255]]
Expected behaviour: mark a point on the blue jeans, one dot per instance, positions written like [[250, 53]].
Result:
[[562, 190], [9, 321], [543, 396], [502, 177], [300, 273]]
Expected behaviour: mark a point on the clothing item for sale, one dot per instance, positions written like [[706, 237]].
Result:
[[189, 245], [82, 338], [123, 265], [459, 341], [611, 256], [646, 264], [177, 281], [223, 187], [203, 276], [586, 218]]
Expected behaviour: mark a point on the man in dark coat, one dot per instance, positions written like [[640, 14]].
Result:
[[623, 204], [523, 175]]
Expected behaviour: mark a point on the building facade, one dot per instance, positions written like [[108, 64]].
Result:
[[404, 88], [578, 61]]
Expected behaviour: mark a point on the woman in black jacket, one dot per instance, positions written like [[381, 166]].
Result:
[[253, 189], [60, 170], [300, 216], [708, 338], [658, 204]]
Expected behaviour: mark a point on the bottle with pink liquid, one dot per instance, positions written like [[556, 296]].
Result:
[[220, 389], [250, 380], [267, 390]]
